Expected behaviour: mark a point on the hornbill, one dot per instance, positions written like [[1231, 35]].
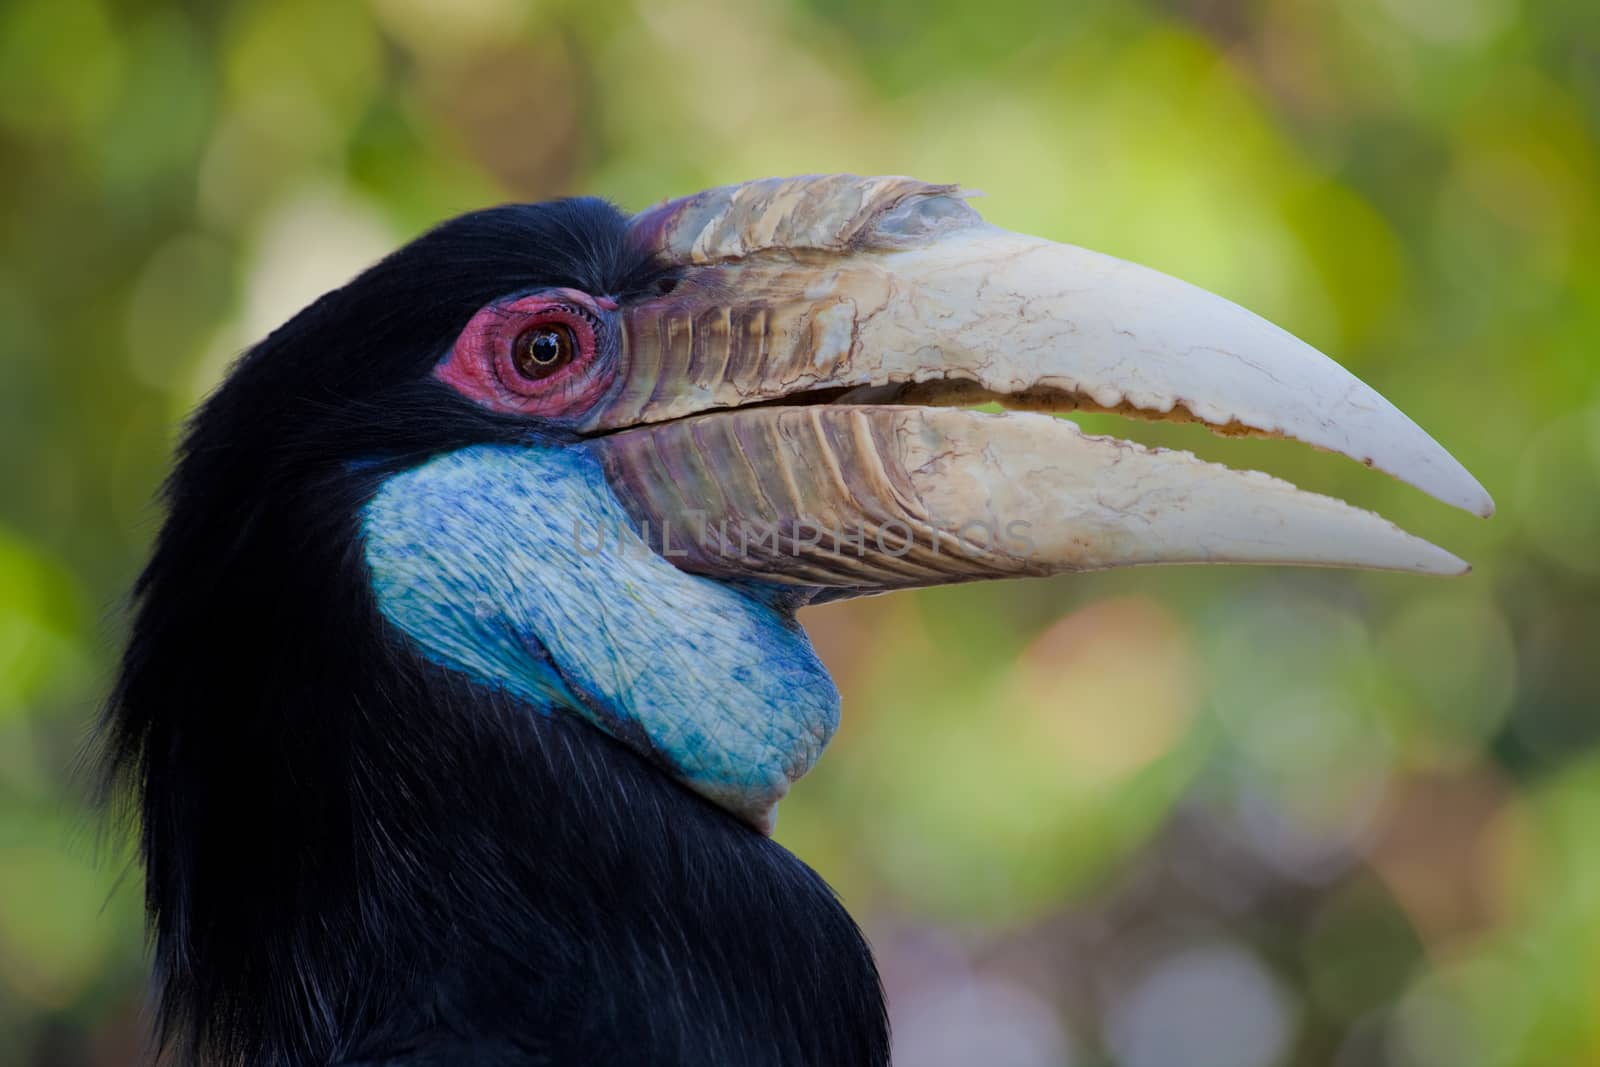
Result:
[[464, 678]]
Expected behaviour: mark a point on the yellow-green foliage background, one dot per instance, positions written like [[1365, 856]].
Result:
[[1215, 817]]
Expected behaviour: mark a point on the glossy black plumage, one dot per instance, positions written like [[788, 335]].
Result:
[[353, 856]]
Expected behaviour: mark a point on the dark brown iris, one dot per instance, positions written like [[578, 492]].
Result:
[[541, 351]]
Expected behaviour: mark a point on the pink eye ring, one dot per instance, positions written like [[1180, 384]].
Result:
[[540, 355]]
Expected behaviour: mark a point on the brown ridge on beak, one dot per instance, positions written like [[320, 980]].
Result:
[[786, 412]]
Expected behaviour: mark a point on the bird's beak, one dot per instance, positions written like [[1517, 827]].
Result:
[[790, 407]]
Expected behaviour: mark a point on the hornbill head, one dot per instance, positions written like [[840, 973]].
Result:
[[551, 474], [785, 411]]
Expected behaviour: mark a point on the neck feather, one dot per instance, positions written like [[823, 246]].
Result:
[[351, 850]]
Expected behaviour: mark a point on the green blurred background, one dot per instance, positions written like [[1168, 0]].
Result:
[[1216, 818]]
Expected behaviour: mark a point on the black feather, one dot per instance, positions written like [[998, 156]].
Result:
[[353, 856]]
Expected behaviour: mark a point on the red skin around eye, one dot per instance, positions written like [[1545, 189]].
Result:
[[480, 364]]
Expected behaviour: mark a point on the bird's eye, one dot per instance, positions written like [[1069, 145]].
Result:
[[549, 355], [543, 350]]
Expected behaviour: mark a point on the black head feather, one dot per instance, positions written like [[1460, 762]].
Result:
[[354, 856]]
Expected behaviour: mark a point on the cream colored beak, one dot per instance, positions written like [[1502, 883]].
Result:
[[859, 314]]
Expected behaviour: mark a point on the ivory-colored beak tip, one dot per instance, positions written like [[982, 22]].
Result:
[[1454, 484], [1457, 487]]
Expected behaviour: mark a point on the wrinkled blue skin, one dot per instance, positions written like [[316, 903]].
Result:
[[490, 559]]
